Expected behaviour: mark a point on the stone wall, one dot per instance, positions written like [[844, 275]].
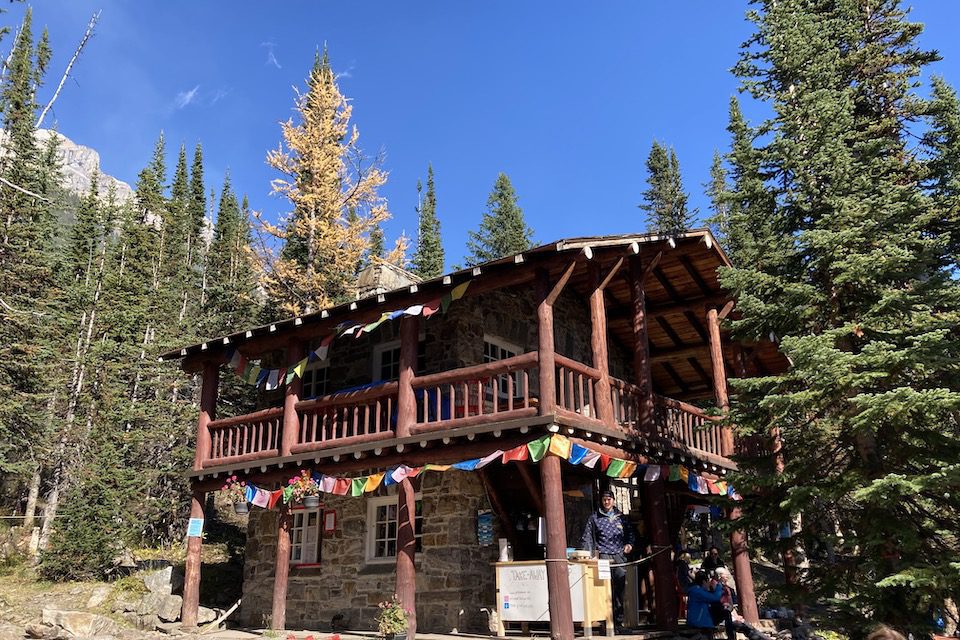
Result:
[[454, 577]]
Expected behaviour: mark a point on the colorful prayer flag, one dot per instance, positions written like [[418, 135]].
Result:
[[400, 473], [538, 448], [519, 454], [342, 487], [457, 292], [577, 453], [652, 473], [413, 310], [373, 482], [488, 459], [604, 461], [684, 473], [591, 458], [436, 467], [628, 469], [467, 465], [431, 308], [327, 484], [445, 302], [614, 467], [560, 446], [274, 498], [261, 498], [249, 493], [287, 494], [356, 487], [674, 473]]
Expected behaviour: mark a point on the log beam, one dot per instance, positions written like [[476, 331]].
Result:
[[191, 574], [558, 585], [291, 419], [719, 377], [641, 345], [406, 399], [598, 345], [655, 515], [742, 573], [208, 411], [281, 574], [406, 588], [548, 367]]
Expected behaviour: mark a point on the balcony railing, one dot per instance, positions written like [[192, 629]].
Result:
[[483, 394]]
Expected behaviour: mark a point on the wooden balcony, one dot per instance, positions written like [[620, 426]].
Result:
[[483, 394]]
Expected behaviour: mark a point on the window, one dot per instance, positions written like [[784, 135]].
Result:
[[315, 379], [495, 349], [386, 360], [382, 528], [305, 536]]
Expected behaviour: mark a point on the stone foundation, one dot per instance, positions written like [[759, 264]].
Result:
[[455, 579]]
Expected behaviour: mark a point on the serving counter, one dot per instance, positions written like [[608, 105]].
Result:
[[522, 595]]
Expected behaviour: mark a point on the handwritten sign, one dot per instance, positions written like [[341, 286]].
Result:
[[603, 569], [523, 593]]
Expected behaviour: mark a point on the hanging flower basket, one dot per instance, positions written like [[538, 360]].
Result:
[[305, 488], [236, 491], [241, 508]]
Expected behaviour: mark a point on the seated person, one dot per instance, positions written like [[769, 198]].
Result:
[[702, 594]]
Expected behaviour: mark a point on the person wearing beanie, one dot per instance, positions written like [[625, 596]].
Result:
[[609, 535]]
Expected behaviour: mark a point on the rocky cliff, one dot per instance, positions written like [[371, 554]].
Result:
[[79, 163]]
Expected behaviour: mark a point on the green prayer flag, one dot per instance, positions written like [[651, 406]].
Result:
[[674, 473], [287, 494], [616, 466], [538, 448], [356, 487], [445, 302]]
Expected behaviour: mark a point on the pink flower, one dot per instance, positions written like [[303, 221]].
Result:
[[234, 478], [292, 481]]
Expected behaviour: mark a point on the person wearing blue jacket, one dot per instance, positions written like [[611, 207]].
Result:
[[703, 604]]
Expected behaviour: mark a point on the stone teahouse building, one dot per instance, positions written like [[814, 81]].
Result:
[[613, 344]]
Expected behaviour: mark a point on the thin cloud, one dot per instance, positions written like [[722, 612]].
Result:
[[219, 95], [185, 98], [271, 56]]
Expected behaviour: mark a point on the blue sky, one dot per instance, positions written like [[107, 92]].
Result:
[[566, 98]]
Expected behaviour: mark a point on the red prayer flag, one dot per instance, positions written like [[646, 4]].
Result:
[[431, 308], [519, 454], [342, 487], [604, 462], [274, 498]]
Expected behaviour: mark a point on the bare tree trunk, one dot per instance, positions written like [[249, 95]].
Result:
[[31, 512], [66, 73]]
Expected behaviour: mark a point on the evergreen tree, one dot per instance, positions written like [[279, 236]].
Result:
[[335, 204], [665, 201], [843, 258], [428, 259], [377, 244], [943, 142], [197, 208], [28, 320], [717, 191], [503, 230]]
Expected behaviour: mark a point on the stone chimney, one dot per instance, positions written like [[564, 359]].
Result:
[[381, 277]]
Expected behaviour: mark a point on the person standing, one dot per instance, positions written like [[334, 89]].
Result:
[[608, 533]]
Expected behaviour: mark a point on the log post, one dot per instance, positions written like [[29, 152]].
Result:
[[191, 572], [406, 398], [547, 366], [278, 620], [719, 377], [406, 587], [655, 514], [291, 420], [406, 553], [208, 411], [558, 581], [641, 347], [598, 345], [742, 573]]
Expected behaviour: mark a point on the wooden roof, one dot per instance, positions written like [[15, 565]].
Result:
[[678, 290]]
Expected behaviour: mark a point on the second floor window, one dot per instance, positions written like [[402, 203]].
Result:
[[495, 349], [386, 361], [315, 379]]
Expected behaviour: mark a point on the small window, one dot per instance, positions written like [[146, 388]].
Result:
[[305, 536], [495, 349], [386, 360], [315, 379], [382, 528]]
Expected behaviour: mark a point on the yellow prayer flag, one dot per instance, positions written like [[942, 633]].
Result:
[[300, 368], [628, 469], [436, 467], [457, 292], [560, 446], [373, 482], [684, 473]]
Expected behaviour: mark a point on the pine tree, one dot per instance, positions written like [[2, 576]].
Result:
[[334, 198], [28, 319], [843, 259], [428, 259], [717, 191], [943, 142], [665, 201], [503, 230], [197, 208]]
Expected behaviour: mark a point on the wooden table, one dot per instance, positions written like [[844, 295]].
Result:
[[522, 595]]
